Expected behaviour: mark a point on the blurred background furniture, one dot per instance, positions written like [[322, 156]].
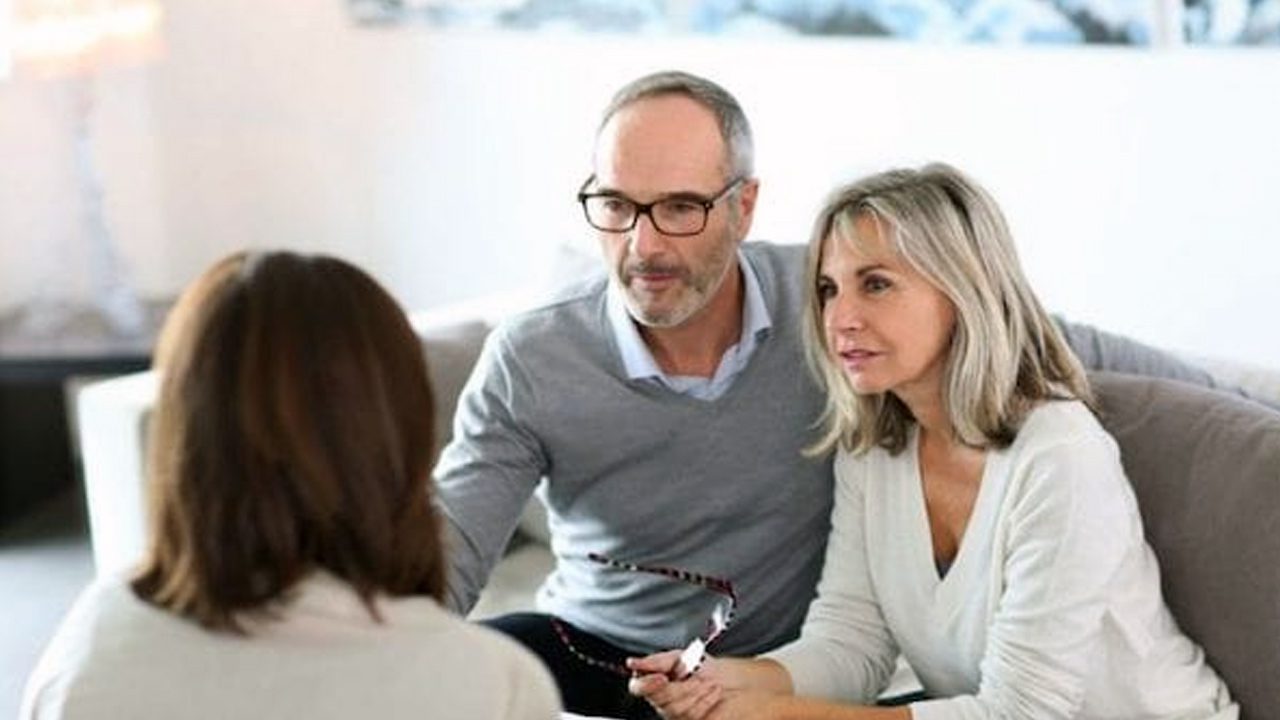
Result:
[[38, 377], [83, 318]]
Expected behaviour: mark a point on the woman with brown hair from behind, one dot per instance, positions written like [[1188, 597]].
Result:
[[295, 561]]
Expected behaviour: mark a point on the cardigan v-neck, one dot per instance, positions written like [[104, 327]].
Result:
[[924, 562]]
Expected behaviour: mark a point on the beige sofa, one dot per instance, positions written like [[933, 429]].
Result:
[[1206, 466]]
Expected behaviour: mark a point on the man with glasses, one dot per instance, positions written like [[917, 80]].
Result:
[[666, 405], [661, 412]]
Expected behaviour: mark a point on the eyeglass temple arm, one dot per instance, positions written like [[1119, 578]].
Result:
[[719, 585]]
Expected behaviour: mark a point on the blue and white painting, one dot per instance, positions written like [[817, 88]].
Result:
[[949, 21], [1119, 22], [1232, 22]]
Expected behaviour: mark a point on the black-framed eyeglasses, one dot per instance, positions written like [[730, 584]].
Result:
[[680, 214], [695, 652]]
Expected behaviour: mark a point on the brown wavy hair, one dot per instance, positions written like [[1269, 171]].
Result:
[[293, 433]]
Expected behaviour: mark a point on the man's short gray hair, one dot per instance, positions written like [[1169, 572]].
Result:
[[734, 128]]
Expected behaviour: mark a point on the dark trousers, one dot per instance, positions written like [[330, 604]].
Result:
[[584, 688]]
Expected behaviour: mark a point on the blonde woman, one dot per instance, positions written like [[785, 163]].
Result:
[[983, 526]]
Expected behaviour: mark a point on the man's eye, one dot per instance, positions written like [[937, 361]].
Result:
[[614, 205], [676, 208]]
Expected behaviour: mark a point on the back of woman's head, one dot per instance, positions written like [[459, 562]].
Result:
[[1006, 353], [293, 433]]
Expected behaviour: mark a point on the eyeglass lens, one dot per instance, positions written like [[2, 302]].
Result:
[[673, 216]]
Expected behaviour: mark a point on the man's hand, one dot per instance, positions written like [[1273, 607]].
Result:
[[690, 698], [721, 689]]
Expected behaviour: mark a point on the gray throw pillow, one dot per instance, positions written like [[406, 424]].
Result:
[[1205, 466]]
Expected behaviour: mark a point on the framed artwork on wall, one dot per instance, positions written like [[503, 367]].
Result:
[[1231, 22], [1132, 23]]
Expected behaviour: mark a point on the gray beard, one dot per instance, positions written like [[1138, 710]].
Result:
[[694, 300]]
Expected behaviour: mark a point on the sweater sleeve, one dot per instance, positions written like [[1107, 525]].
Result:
[[1071, 523], [844, 651], [488, 471]]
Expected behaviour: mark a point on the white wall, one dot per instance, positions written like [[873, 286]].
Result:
[[1139, 184]]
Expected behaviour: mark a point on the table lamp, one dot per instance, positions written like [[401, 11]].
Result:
[[74, 39]]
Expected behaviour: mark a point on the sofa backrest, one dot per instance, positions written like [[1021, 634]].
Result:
[[1206, 470], [451, 350]]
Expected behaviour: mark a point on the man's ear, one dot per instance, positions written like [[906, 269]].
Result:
[[746, 205]]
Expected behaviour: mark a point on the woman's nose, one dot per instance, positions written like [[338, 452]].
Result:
[[843, 313]]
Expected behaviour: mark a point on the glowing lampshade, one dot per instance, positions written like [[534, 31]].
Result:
[[59, 36], [77, 38]]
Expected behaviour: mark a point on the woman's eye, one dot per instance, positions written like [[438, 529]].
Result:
[[825, 290], [876, 284]]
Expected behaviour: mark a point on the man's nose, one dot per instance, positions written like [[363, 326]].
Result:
[[645, 239]]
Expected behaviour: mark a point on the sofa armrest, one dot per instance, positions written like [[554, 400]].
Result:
[[1205, 469]]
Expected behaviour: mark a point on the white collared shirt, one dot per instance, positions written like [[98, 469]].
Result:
[[638, 361]]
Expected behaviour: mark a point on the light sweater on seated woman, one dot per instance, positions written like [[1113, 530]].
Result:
[[1051, 607], [321, 655]]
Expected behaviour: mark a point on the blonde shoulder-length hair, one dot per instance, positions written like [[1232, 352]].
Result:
[[1006, 353]]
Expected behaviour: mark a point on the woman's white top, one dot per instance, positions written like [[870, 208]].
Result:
[[323, 656], [1050, 609]]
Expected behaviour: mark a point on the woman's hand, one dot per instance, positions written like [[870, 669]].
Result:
[[721, 689], [748, 705], [689, 698]]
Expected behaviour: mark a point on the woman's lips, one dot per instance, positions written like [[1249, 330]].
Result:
[[857, 359]]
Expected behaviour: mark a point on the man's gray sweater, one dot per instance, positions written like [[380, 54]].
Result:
[[641, 474]]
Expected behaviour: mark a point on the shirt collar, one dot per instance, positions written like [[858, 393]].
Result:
[[638, 361]]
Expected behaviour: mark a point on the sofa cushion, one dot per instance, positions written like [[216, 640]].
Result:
[[451, 350], [1205, 467]]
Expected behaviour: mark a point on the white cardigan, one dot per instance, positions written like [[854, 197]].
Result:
[[115, 656], [1051, 608]]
